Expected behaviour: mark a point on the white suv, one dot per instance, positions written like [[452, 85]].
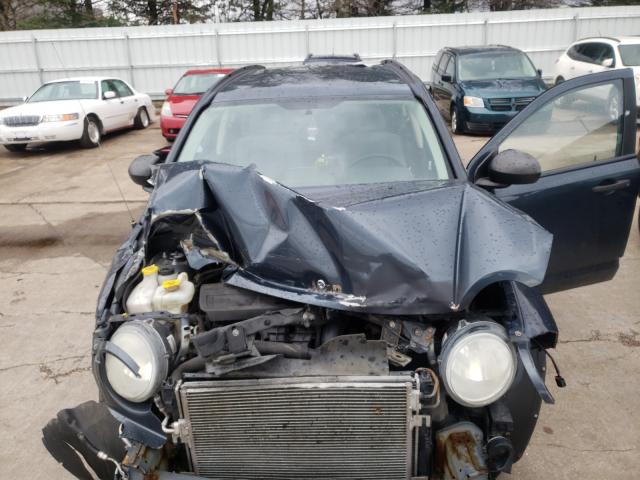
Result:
[[591, 55]]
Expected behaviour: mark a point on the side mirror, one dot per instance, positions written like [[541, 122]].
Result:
[[607, 62], [109, 94], [511, 167], [539, 72], [140, 170], [447, 78], [168, 91]]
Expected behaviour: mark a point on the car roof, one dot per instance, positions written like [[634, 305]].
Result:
[[83, 79], [340, 80], [200, 71], [629, 39], [471, 49], [624, 39]]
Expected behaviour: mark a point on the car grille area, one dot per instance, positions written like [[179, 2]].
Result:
[[339, 428], [509, 104], [22, 121]]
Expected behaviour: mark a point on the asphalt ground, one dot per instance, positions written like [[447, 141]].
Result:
[[62, 219]]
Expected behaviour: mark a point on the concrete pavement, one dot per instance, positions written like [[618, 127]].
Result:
[[62, 219]]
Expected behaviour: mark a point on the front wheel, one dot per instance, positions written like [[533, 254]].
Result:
[[142, 119], [456, 126], [91, 135], [16, 147]]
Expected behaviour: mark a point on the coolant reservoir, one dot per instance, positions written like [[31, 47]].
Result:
[[174, 296], [166, 272], [141, 297]]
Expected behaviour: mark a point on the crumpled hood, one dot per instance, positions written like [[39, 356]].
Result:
[[429, 249]]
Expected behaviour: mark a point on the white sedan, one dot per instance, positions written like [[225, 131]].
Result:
[[81, 109]]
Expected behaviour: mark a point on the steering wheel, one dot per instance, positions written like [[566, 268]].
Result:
[[378, 159]]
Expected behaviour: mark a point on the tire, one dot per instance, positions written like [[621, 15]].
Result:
[[16, 147], [91, 135], [142, 120], [456, 125]]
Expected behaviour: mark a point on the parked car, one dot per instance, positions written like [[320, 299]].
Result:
[[319, 285], [180, 99], [479, 89], [331, 59], [599, 54], [83, 108]]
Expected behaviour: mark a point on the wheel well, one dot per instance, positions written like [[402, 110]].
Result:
[[559, 79], [97, 119]]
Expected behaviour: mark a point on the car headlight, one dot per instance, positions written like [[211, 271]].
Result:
[[61, 117], [136, 345], [478, 363], [473, 102], [166, 110]]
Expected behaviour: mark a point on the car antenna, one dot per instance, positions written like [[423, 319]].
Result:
[[102, 157]]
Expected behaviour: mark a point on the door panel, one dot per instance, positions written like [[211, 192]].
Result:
[[129, 102], [439, 87], [114, 114], [590, 173]]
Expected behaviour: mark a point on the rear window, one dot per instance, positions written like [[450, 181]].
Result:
[[321, 142], [196, 84]]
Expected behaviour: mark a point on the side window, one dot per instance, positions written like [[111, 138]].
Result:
[[607, 53], [443, 62], [576, 128], [592, 52], [107, 86], [451, 67], [437, 61], [122, 88], [582, 52], [573, 53]]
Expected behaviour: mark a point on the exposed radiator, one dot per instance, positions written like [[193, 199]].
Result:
[[304, 428]]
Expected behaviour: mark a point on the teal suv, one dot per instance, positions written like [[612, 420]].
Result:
[[479, 89]]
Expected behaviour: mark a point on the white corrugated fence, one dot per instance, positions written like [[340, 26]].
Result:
[[152, 58]]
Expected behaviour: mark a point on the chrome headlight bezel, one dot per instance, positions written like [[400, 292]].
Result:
[[482, 330], [145, 346]]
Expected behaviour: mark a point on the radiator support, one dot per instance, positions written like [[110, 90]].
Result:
[[300, 428]]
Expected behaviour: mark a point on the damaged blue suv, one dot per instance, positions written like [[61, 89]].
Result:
[[479, 89], [319, 289]]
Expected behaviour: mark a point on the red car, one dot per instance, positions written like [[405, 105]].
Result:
[[181, 98]]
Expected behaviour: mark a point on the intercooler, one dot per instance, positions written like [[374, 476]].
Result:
[[300, 428]]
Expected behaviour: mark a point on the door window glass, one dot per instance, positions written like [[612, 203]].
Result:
[[588, 52], [579, 127], [437, 61], [108, 86], [122, 88], [443, 62], [451, 67]]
